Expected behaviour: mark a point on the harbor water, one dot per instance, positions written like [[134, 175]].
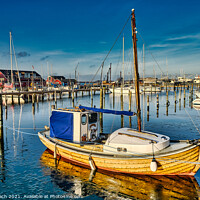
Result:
[[28, 170]]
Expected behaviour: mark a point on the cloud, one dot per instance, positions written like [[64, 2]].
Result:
[[44, 58], [22, 54], [91, 66], [158, 45], [195, 36]]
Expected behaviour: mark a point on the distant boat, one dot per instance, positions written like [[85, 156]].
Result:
[[150, 89], [10, 88], [74, 135]]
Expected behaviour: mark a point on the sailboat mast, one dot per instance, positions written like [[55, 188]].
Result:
[[133, 24], [11, 58]]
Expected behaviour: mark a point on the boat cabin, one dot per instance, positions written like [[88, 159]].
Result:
[[77, 125]]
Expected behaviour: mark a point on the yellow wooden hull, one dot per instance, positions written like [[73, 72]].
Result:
[[182, 162], [135, 186]]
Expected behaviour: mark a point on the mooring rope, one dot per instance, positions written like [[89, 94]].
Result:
[[17, 130]]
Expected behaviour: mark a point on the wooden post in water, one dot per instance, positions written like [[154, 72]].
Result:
[[130, 98], [37, 98], [180, 99], [147, 107], [1, 118], [91, 98], [5, 96], [167, 103], [175, 101], [113, 93], [72, 97], [192, 93], [184, 98], [12, 98], [104, 97], [157, 97], [55, 98], [101, 106], [19, 98], [122, 107]]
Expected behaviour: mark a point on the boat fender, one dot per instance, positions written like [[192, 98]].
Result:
[[153, 165], [91, 162]]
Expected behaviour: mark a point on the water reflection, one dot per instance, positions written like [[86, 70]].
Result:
[[2, 158], [75, 180]]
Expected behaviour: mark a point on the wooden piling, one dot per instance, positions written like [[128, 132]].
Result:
[[130, 98], [184, 99], [147, 107], [38, 97], [157, 103], [12, 99], [180, 99], [5, 96], [91, 98], [104, 97], [72, 97], [175, 101], [19, 98], [55, 97], [167, 103], [101, 106], [122, 107]]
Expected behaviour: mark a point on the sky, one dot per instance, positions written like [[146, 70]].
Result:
[[56, 36]]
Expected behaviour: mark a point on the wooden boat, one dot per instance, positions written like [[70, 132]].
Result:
[[74, 134], [77, 180]]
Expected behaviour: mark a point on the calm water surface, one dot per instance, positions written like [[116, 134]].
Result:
[[28, 171]]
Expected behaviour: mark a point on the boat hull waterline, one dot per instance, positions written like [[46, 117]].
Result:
[[183, 161]]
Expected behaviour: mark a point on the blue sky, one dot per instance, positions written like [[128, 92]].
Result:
[[64, 33]]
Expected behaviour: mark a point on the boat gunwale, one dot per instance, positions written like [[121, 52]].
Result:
[[92, 152]]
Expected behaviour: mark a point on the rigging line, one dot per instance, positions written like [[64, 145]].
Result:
[[151, 53], [192, 120], [112, 47]]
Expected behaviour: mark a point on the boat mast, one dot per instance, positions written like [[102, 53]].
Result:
[[11, 58], [133, 24]]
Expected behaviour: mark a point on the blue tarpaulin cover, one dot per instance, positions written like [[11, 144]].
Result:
[[61, 125], [115, 112]]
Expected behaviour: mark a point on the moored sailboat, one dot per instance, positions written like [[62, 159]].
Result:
[[74, 134]]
